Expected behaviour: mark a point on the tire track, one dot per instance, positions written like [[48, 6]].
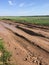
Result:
[[34, 32], [38, 41], [26, 37]]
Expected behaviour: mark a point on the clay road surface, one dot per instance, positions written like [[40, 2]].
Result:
[[29, 46]]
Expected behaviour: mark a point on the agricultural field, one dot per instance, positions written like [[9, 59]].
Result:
[[26, 40], [40, 20]]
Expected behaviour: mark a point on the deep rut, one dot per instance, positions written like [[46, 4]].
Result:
[[26, 49]]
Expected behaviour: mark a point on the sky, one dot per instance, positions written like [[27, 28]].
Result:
[[24, 7]]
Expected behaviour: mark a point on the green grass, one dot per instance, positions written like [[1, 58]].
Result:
[[5, 54], [43, 20], [1, 45]]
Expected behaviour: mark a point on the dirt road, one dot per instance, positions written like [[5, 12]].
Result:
[[28, 45]]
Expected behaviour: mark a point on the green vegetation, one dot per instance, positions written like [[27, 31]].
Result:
[[40, 20], [5, 55]]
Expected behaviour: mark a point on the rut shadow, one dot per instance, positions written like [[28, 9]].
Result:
[[32, 43], [22, 37], [30, 32], [30, 25], [35, 26]]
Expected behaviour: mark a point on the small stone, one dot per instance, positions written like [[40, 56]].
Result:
[[17, 53], [15, 48], [25, 59]]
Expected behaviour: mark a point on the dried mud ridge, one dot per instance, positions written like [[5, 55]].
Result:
[[28, 43]]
